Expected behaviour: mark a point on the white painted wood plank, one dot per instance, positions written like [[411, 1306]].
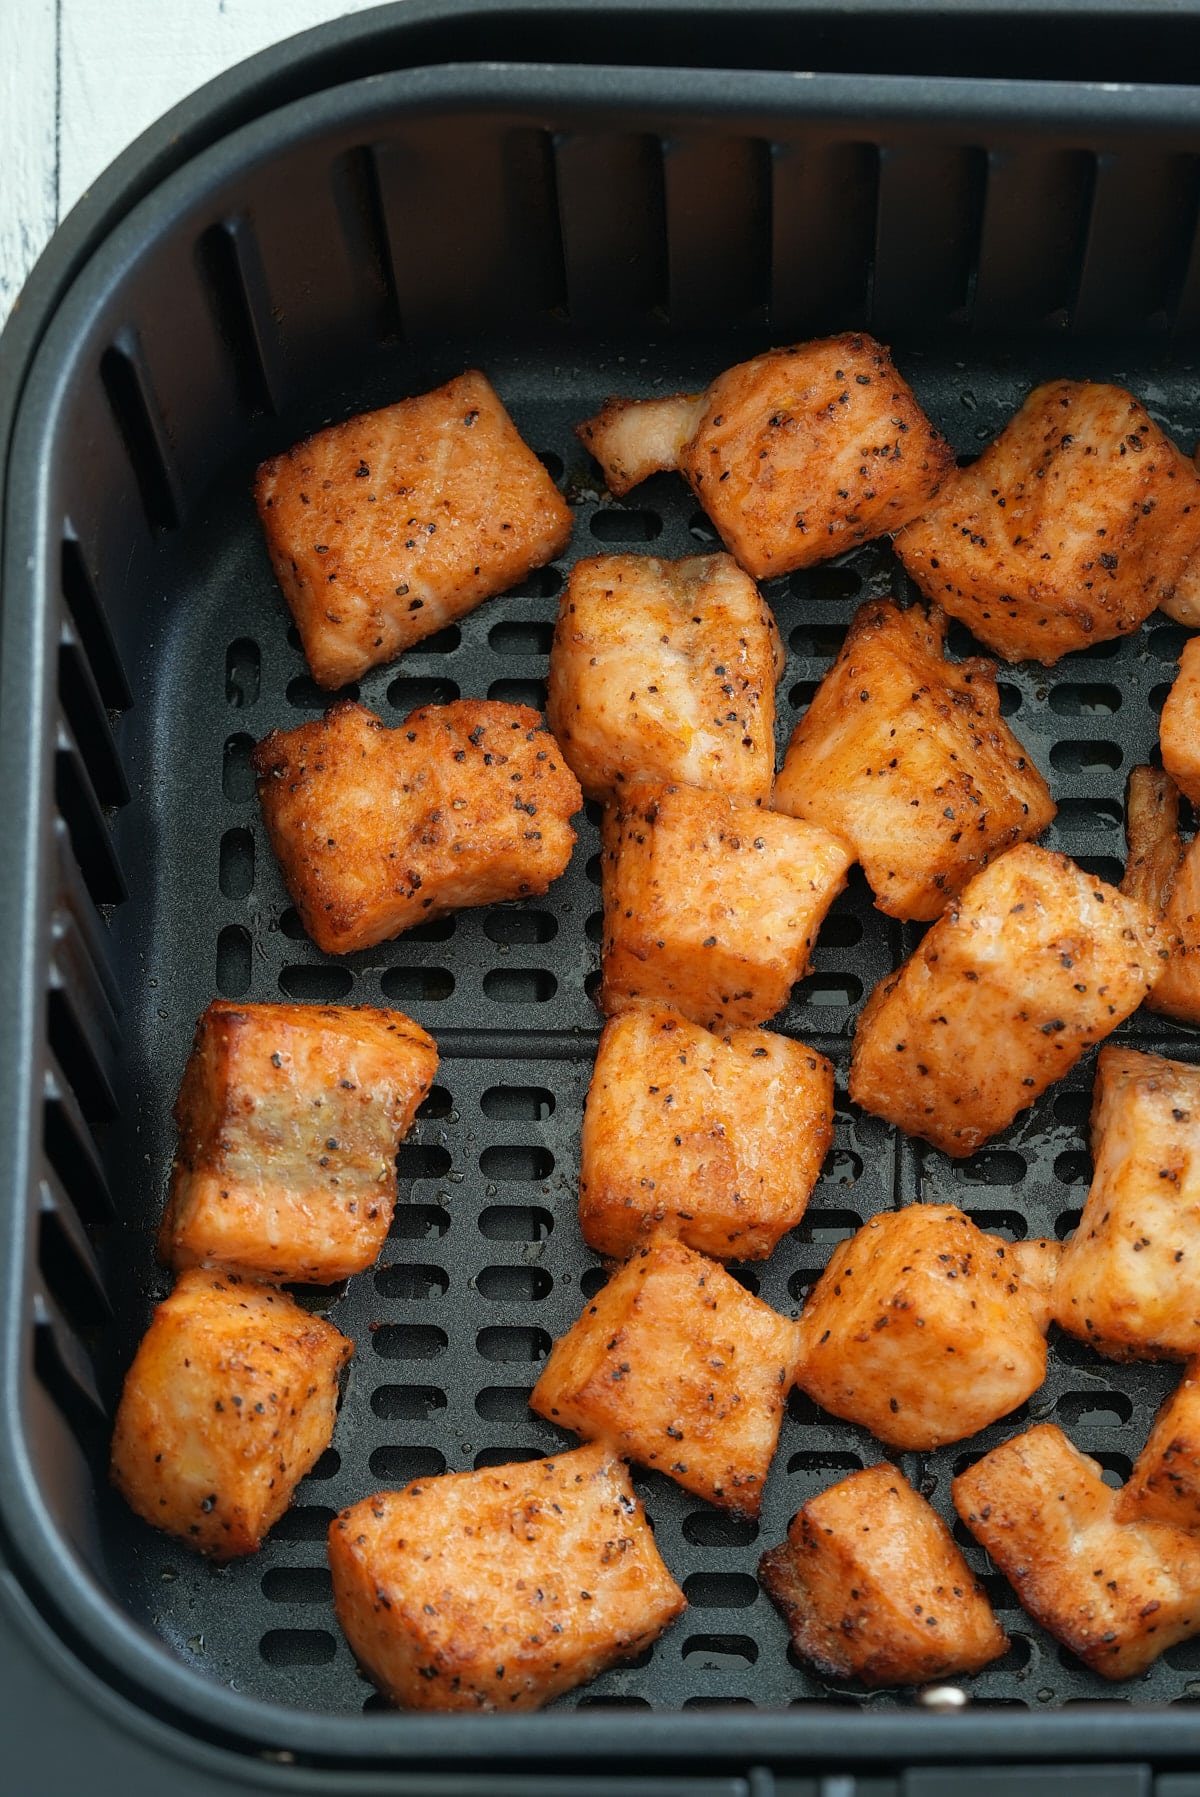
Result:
[[28, 139]]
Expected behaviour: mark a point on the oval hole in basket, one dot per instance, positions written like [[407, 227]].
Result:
[[593, 1280], [830, 1463], [599, 1701], [422, 1160], [291, 926], [518, 1104], [817, 642], [513, 1344], [842, 1167], [236, 868], [802, 694], [1097, 1409], [328, 1466], [297, 1647], [410, 1283], [304, 693], [521, 636], [829, 991], [719, 1652], [593, 927], [991, 1167], [1080, 699], [841, 929], [243, 672], [828, 584], [1066, 1223], [515, 1223], [407, 1403], [519, 985], [1074, 757], [1010, 698], [412, 985], [828, 1225], [504, 1404], [513, 1285], [720, 1590], [235, 961], [408, 1341], [408, 692], [436, 1104], [1089, 814], [519, 692], [591, 868], [1166, 641], [749, 1278], [519, 928], [552, 463], [297, 1585], [1074, 1168], [439, 642], [438, 929], [400, 1464], [509, 1161], [316, 985], [541, 583], [713, 1528], [503, 1455], [1102, 867], [1009, 1224], [625, 524], [1115, 1468], [413, 1222], [1073, 1107], [237, 775], [304, 1522]]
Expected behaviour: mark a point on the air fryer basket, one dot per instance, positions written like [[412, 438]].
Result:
[[575, 232]]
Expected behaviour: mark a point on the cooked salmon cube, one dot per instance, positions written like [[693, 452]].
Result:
[[289, 1119], [503, 1588], [1116, 1594], [680, 1368], [1129, 1282], [711, 906], [1179, 726], [665, 671], [1037, 1262], [230, 1401], [718, 1140], [796, 455], [377, 830], [872, 1586], [1068, 530], [1164, 1485], [1034, 962], [1166, 876], [918, 1329], [385, 528], [905, 755]]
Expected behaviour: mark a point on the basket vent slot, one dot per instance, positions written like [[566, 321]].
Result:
[[63, 1367], [84, 816], [823, 207], [127, 384], [71, 1148], [91, 622], [718, 191], [359, 203], [87, 715], [66, 1259], [227, 256]]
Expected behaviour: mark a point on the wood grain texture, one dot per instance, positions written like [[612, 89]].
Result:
[[28, 140]]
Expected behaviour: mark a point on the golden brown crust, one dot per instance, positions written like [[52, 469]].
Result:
[[1179, 725], [1164, 1485], [377, 830], [500, 1589], [680, 1368], [873, 1588], [230, 1401], [1068, 530], [1166, 876], [385, 528], [1037, 1262]]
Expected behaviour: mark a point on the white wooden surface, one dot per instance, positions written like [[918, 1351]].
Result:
[[79, 79]]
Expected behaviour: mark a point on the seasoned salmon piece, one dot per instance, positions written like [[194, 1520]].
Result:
[[905, 755], [230, 1401], [872, 1586], [1184, 603], [1129, 1283], [1179, 726], [1037, 1262], [680, 1368], [289, 1119], [718, 1140], [1166, 876], [385, 528], [918, 1329], [377, 830], [1164, 1485], [1070, 529], [665, 671], [1034, 962], [1117, 1594], [796, 455], [711, 906], [502, 1588]]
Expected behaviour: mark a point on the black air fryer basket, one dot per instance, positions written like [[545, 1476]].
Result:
[[359, 216]]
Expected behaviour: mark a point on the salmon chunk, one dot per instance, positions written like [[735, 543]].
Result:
[[918, 1329], [718, 1140], [796, 455], [1037, 1263], [385, 528], [710, 906], [1179, 726], [1034, 962], [230, 1401], [905, 755], [677, 1366], [289, 1119], [1116, 1594], [665, 671], [500, 1589], [1129, 1282], [1069, 530], [1164, 1485], [1164, 875], [377, 830], [872, 1586]]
